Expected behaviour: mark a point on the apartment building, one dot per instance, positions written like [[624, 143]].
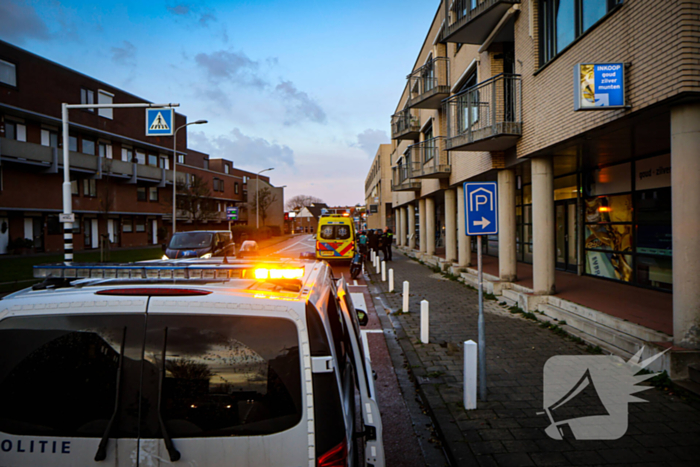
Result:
[[378, 198], [591, 229], [122, 181]]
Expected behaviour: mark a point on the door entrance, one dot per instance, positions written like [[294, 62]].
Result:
[[566, 238]]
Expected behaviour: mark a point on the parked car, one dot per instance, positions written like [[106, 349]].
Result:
[[200, 244]]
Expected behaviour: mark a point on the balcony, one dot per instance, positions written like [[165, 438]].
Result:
[[487, 116], [471, 21], [405, 125], [400, 181], [430, 84], [429, 159]]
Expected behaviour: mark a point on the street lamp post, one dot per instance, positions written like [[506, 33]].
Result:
[[257, 197], [198, 122]]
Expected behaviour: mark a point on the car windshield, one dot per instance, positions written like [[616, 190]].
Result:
[[190, 240]]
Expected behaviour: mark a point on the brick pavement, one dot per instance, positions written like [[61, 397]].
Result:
[[506, 430]]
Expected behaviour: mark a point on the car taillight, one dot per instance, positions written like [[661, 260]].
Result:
[[154, 291], [336, 457]]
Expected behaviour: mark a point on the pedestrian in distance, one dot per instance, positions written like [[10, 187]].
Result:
[[372, 240], [387, 240], [363, 244]]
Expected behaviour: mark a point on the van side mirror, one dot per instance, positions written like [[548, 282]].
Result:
[[362, 317]]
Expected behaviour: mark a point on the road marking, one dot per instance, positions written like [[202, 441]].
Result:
[[292, 245], [354, 282], [365, 342]]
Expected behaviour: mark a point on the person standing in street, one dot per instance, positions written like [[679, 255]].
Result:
[[387, 239], [363, 244]]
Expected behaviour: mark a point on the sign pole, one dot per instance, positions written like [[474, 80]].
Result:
[[482, 332]]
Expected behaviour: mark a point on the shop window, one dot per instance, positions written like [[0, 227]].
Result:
[[127, 225], [140, 224], [88, 146], [87, 96], [104, 97], [566, 187], [609, 180], [563, 21], [153, 193], [141, 193], [8, 73], [89, 187], [656, 272]]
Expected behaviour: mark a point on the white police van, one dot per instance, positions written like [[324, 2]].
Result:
[[186, 363]]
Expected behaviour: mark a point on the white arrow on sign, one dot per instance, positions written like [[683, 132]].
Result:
[[484, 222]]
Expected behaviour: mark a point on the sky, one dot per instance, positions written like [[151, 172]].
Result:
[[306, 87]]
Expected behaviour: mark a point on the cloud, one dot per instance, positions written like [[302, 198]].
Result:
[[180, 10], [298, 104], [201, 14], [19, 21], [125, 55], [369, 140], [232, 66], [243, 149]]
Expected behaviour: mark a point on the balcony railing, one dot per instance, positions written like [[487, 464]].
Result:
[[405, 125], [400, 180], [487, 116], [429, 159], [430, 84], [471, 21]]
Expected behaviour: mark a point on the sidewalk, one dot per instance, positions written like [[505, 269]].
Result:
[[506, 430]]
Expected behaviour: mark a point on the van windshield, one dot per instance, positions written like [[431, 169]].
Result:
[[183, 240], [335, 232]]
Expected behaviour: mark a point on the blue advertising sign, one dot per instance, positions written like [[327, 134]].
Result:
[[481, 208], [159, 122], [599, 86], [232, 214]]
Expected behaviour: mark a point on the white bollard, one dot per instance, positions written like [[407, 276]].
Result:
[[373, 256], [376, 265], [383, 271], [424, 321], [391, 280], [405, 296], [470, 374]]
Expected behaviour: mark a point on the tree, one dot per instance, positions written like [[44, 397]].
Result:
[[195, 200], [263, 199], [301, 201]]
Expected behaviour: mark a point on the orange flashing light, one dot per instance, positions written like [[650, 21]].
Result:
[[346, 214], [604, 209], [286, 273]]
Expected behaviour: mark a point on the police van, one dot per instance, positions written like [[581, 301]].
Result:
[[206, 363]]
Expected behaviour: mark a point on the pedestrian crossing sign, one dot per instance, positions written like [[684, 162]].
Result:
[[159, 122]]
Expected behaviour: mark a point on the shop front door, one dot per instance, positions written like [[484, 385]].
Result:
[[566, 240]]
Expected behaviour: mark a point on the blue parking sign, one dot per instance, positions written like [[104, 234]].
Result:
[[481, 208], [159, 122]]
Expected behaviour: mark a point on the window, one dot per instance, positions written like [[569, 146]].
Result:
[[227, 168], [127, 154], [563, 21], [140, 157], [140, 224], [74, 187], [235, 187], [89, 187], [49, 138], [105, 150], [73, 143], [53, 226], [205, 163], [164, 162], [88, 146], [104, 97], [87, 96], [153, 193], [141, 193], [153, 160], [16, 131], [127, 225], [245, 179], [180, 158], [8, 73]]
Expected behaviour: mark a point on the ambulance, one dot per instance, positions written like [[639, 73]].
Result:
[[335, 238]]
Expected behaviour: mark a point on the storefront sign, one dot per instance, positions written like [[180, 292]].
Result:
[[654, 172], [599, 86]]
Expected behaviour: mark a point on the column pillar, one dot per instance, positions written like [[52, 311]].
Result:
[[430, 225], [507, 258], [421, 225], [464, 251], [397, 234], [411, 226], [543, 226], [404, 224], [685, 193], [450, 225]]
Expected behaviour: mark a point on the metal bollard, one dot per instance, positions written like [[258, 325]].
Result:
[[470, 374], [424, 321], [405, 296], [383, 271], [391, 280]]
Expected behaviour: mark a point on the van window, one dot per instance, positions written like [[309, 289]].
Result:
[[224, 375], [335, 232], [183, 240], [58, 374]]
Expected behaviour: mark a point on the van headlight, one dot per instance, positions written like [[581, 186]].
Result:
[[165, 257], [206, 256]]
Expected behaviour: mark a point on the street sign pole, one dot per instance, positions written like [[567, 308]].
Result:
[[482, 331]]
